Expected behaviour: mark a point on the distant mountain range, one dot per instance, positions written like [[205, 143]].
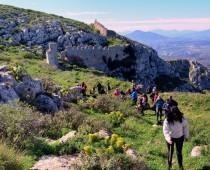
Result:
[[177, 44]]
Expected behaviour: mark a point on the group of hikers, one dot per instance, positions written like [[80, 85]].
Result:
[[175, 125], [158, 104], [98, 88]]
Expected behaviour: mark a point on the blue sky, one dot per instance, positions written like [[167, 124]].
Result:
[[128, 15]]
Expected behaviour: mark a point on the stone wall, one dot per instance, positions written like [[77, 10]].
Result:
[[95, 57], [52, 54]]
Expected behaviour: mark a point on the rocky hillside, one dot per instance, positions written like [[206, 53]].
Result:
[[31, 29], [27, 27], [27, 89]]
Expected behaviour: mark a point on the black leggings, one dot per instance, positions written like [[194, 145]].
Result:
[[179, 144]]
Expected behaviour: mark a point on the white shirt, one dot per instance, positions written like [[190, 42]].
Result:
[[175, 130]]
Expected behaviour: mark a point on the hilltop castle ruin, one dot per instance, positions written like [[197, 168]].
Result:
[[104, 31]]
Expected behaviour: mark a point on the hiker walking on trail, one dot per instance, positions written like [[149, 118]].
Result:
[[108, 87], [84, 88], [149, 90], [93, 92], [175, 130], [166, 107], [133, 85], [116, 92], [159, 105], [172, 102], [99, 86], [142, 103], [134, 96]]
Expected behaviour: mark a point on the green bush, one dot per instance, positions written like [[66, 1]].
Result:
[[54, 125], [18, 124], [10, 159], [17, 70], [106, 103], [28, 55], [117, 161], [39, 147], [98, 123], [72, 146], [115, 118], [12, 49]]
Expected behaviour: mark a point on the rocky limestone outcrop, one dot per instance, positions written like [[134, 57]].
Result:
[[7, 82], [149, 65], [28, 90], [20, 30], [7, 94], [54, 162], [198, 74]]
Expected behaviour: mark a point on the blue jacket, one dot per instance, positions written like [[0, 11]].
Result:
[[134, 95]]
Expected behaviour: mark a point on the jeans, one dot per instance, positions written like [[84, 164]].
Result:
[[179, 144]]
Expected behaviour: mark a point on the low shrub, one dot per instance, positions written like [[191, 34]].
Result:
[[54, 125], [117, 161], [115, 118], [107, 146], [10, 158], [72, 146], [39, 147], [97, 124], [28, 55], [17, 70], [106, 104], [18, 124]]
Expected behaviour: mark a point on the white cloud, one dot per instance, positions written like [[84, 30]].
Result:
[[87, 13]]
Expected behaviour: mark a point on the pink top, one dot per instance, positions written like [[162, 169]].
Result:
[[116, 92]]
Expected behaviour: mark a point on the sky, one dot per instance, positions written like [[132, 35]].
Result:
[[128, 15]]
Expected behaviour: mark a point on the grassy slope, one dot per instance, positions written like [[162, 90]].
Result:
[[147, 140]]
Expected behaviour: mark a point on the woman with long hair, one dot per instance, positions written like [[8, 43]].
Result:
[[175, 130]]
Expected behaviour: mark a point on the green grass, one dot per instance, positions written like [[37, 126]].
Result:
[[148, 141], [113, 42]]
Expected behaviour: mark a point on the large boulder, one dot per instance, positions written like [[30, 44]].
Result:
[[54, 162], [46, 104], [6, 77], [7, 94], [7, 82], [29, 90]]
